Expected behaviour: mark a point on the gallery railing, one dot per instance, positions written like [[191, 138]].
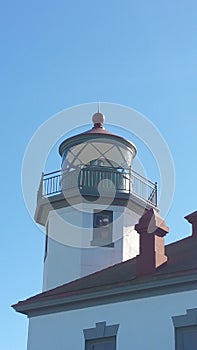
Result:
[[92, 179]]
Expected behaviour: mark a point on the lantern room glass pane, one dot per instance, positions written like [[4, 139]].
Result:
[[100, 153]]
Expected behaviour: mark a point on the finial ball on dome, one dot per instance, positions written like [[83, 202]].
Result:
[[98, 118]]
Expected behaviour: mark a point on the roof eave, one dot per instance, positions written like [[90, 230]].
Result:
[[124, 292]]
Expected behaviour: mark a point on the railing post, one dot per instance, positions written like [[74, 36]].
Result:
[[40, 189]]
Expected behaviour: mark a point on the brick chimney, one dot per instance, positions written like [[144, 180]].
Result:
[[192, 219], [152, 229]]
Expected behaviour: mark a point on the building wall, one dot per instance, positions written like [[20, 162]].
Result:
[[143, 324], [69, 252]]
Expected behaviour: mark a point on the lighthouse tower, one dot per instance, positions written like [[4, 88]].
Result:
[[91, 205]]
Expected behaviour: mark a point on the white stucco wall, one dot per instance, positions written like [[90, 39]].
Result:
[[144, 323], [70, 254], [130, 236]]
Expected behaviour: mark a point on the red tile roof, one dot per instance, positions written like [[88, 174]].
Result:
[[182, 261]]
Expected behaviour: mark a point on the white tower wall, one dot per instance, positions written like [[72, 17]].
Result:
[[69, 252]]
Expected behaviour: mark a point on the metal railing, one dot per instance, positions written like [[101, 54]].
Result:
[[89, 178]]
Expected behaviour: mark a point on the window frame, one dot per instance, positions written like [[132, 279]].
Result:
[[90, 344], [100, 334], [98, 231], [184, 324]]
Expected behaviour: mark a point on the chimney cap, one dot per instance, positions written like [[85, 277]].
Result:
[[152, 223], [191, 218]]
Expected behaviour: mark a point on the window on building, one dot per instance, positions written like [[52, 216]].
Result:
[[186, 330], [99, 344], [101, 337], [102, 228]]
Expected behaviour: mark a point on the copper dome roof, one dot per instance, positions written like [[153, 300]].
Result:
[[97, 131]]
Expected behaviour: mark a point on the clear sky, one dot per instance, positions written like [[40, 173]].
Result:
[[54, 55]]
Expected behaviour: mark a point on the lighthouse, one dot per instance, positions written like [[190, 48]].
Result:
[[90, 206], [109, 279]]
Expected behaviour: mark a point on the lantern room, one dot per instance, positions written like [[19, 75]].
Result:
[[97, 160]]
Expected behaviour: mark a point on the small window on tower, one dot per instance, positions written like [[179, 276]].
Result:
[[102, 228]]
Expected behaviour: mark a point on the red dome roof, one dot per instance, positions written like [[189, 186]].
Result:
[[98, 130]]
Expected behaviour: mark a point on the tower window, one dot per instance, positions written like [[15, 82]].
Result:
[[102, 228]]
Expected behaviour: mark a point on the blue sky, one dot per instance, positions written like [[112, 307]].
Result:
[[55, 55]]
